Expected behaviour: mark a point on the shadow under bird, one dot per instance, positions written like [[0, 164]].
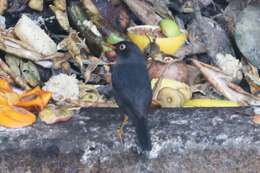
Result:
[[132, 89]]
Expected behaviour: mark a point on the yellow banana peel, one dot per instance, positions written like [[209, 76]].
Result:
[[210, 103], [171, 93]]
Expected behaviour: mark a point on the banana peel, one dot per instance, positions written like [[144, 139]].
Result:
[[210, 103], [15, 108], [171, 93], [168, 97]]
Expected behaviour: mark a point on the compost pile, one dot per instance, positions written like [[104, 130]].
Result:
[[56, 55]]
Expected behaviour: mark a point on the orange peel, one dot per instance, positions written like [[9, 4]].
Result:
[[14, 107], [14, 117]]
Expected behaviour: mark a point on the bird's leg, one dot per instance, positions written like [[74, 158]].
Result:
[[120, 128]]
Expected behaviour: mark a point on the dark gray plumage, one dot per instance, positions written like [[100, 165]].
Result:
[[132, 88]]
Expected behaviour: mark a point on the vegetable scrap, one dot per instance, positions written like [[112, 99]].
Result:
[[56, 55]]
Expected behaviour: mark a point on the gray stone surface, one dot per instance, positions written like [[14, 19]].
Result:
[[212, 35], [184, 140], [247, 33]]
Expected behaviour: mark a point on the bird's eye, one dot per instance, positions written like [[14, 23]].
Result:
[[122, 47]]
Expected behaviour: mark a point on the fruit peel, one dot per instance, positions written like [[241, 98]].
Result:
[[169, 28], [114, 38], [210, 103], [34, 99], [168, 45], [14, 107], [171, 93], [15, 117]]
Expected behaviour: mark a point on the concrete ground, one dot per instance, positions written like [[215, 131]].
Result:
[[220, 140]]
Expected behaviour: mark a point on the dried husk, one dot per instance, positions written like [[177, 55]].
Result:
[[59, 9], [222, 83], [30, 33], [87, 29]]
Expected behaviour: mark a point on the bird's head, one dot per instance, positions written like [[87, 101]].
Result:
[[127, 51]]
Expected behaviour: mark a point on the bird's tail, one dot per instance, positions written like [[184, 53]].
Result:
[[143, 134]]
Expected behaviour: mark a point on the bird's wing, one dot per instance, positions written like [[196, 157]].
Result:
[[132, 88]]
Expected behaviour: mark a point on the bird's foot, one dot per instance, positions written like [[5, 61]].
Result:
[[120, 129]]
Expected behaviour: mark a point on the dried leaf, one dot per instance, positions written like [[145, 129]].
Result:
[[221, 82], [13, 63], [61, 14], [25, 70], [18, 80], [251, 76], [30, 73]]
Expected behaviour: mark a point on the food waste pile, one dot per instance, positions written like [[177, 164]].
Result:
[[56, 55]]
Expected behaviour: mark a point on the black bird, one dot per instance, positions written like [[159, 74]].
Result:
[[132, 88]]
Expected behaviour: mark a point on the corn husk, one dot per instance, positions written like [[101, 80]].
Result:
[[30, 33]]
